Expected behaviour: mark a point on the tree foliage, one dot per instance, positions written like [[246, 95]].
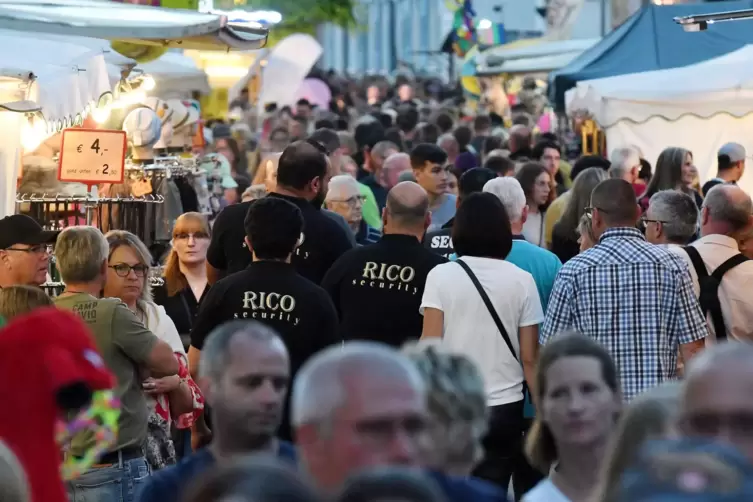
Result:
[[302, 16]]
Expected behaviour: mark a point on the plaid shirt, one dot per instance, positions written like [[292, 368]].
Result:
[[634, 298]]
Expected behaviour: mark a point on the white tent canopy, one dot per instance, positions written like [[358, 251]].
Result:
[[133, 23], [719, 85], [539, 57], [699, 107], [176, 75]]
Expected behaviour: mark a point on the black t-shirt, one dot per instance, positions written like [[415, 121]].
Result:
[[182, 308], [377, 289], [440, 241], [324, 240], [711, 184], [274, 294]]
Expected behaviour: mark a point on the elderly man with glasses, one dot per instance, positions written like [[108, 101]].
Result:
[[25, 249], [345, 198]]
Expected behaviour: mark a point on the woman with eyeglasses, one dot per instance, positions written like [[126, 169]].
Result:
[[175, 399]]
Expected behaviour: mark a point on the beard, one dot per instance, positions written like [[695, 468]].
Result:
[[318, 200]]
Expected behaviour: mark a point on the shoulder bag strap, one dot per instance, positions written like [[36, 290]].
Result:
[[489, 306]]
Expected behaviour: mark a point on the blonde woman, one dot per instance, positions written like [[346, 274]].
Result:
[[175, 398], [586, 237], [649, 416], [19, 300], [457, 409]]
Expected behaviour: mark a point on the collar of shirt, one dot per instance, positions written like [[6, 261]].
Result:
[[622, 232], [449, 223], [270, 265], [518, 237], [718, 240], [402, 238], [298, 201]]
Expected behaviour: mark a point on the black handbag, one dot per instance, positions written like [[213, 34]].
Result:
[[528, 408]]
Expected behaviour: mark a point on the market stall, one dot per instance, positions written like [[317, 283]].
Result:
[[699, 107], [176, 76], [539, 58], [650, 40], [73, 83]]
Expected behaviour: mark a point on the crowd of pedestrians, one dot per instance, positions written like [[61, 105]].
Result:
[[413, 309]]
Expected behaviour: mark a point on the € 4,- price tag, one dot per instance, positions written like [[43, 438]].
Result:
[[92, 156]]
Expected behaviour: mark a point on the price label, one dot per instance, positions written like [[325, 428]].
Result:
[[92, 156]]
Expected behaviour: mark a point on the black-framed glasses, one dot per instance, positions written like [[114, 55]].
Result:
[[643, 222], [37, 249], [123, 269]]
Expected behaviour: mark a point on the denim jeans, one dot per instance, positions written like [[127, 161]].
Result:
[[121, 482]]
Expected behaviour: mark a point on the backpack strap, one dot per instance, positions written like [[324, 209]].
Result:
[[697, 261], [709, 286]]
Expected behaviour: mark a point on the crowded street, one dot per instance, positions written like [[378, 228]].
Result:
[[376, 251]]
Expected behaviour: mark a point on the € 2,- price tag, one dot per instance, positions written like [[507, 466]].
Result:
[[92, 156]]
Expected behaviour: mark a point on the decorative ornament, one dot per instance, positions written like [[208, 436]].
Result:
[[463, 24], [100, 418]]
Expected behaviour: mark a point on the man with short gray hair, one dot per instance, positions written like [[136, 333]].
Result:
[[449, 144], [725, 274], [541, 263], [128, 349], [364, 405], [625, 164], [671, 218], [345, 198], [245, 375]]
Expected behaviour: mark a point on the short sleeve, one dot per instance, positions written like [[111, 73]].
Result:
[[131, 336], [216, 253], [531, 314], [333, 279], [432, 290], [207, 319]]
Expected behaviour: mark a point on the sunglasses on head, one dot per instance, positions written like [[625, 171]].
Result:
[[318, 145]]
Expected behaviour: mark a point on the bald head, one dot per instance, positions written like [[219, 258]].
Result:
[[407, 205], [395, 165], [335, 375], [717, 398], [728, 205], [616, 203]]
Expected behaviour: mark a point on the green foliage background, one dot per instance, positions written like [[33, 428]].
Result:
[[300, 16]]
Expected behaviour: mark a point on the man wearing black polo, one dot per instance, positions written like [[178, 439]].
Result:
[[472, 181], [377, 289], [270, 290], [303, 174]]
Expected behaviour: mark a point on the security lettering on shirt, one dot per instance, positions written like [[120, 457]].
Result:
[[387, 276], [271, 306]]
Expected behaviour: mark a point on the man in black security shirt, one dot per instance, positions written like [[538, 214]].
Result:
[[473, 180], [270, 290], [303, 174], [377, 289]]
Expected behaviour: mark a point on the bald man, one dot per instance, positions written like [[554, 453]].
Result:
[[519, 143], [717, 401], [377, 288], [362, 406], [395, 165], [726, 213], [344, 197]]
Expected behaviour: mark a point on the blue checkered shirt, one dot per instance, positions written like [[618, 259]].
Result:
[[634, 298]]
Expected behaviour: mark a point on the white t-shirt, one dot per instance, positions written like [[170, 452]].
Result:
[[469, 328], [545, 491], [533, 228]]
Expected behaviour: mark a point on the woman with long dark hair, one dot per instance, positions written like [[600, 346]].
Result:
[[536, 183], [674, 170]]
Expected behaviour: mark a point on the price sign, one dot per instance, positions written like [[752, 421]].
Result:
[[92, 156]]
